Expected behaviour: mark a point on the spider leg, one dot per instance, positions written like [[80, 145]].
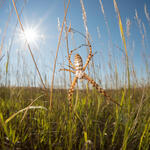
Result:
[[78, 47], [89, 57], [72, 52], [71, 62], [88, 60], [67, 70], [71, 92], [102, 91]]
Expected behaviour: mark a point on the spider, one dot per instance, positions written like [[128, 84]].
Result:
[[80, 74]]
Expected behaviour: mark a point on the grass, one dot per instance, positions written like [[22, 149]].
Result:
[[34, 118], [94, 123]]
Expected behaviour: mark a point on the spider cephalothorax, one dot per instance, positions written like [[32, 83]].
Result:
[[80, 74]]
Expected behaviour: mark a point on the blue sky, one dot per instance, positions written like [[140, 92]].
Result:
[[44, 16]]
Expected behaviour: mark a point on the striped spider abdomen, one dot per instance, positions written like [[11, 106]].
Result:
[[78, 62], [78, 66]]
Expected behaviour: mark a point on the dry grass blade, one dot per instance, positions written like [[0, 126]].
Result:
[[138, 112], [123, 39], [121, 27], [66, 37], [31, 107], [106, 22], [59, 40], [128, 24], [5, 31], [147, 14], [28, 45], [84, 17]]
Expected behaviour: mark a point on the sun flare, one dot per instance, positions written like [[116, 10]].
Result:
[[31, 35]]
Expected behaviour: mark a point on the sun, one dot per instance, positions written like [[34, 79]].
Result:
[[31, 35]]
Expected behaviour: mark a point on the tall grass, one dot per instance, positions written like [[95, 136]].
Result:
[[59, 40], [94, 124], [28, 45]]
